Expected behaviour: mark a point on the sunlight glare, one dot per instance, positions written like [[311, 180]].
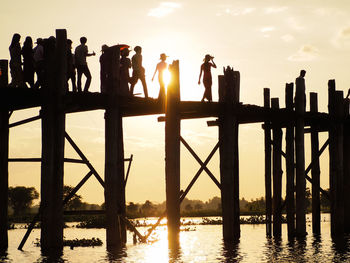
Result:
[[166, 77]]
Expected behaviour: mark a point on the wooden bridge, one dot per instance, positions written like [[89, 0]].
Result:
[[229, 112]]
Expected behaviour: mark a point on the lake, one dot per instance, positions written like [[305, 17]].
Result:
[[203, 243]]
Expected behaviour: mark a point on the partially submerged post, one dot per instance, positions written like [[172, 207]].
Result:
[[300, 103], [172, 154], [53, 128], [4, 150], [290, 168], [114, 159], [336, 111], [315, 170], [277, 173], [267, 142], [346, 163], [228, 139]]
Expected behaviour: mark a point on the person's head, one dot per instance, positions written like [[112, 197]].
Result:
[[138, 49], [69, 43], [104, 48], [28, 42], [302, 73], [15, 39], [207, 58], [163, 57], [83, 40], [39, 41], [125, 52]]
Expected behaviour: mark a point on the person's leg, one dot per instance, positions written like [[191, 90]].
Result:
[[144, 85], [79, 78], [88, 78], [74, 86], [133, 81]]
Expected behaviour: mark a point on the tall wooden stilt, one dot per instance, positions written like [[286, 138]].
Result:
[[53, 128], [300, 103], [290, 168], [336, 111], [277, 174], [267, 134], [315, 170], [346, 163], [114, 159], [172, 154], [4, 150], [228, 139]]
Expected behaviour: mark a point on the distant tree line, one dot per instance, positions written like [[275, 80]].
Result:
[[21, 200]]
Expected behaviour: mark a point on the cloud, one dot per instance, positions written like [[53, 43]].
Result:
[[267, 29], [237, 11], [287, 38], [275, 9], [164, 9], [305, 53], [342, 38], [293, 23]]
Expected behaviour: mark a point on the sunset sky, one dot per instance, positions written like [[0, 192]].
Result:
[[269, 42]]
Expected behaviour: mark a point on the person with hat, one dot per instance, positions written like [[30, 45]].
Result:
[[161, 66], [125, 64], [207, 79], [138, 71]]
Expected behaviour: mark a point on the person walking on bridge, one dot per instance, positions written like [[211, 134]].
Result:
[[207, 79], [81, 52], [138, 71]]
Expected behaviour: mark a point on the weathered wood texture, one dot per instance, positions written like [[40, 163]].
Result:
[[300, 103], [114, 159], [267, 145], [4, 150], [172, 154], [346, 162], [53, 128], [336, 111], [228, 140], [277, 174], [290, 168], [315, 171]]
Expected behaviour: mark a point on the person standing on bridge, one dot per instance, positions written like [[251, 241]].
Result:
[[16, 61], [161, 66], [28, 61], [81, 52], [138, 71], [207, 79]]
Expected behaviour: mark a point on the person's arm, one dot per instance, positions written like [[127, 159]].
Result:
[[200, 75], [89, 54], [213, 65], [155, 72]]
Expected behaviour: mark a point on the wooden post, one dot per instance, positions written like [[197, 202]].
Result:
[[228, 139], [336, 111], [4, 150], [300, 102], [277, 174], [268, 197], [290, 168], [346, 163], [53, 128], [315, 170], [114, 159], [172, 154]]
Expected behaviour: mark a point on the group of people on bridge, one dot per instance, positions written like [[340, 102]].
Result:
[[22, 73]]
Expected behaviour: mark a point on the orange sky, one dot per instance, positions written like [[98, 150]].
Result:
[[267, 41]]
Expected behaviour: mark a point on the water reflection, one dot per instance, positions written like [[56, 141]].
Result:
[[174, 252], [116, 254], [51, 256], [3, 255], [341, 249], [230, 252]]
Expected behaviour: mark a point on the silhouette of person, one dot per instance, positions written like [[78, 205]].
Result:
[[301, 81], [39, 62], [81, 52], [161, 66], [125, 64], [104, 69], [28, 61], [16, 61], [207, 79], [70, 66], [138, 72]]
